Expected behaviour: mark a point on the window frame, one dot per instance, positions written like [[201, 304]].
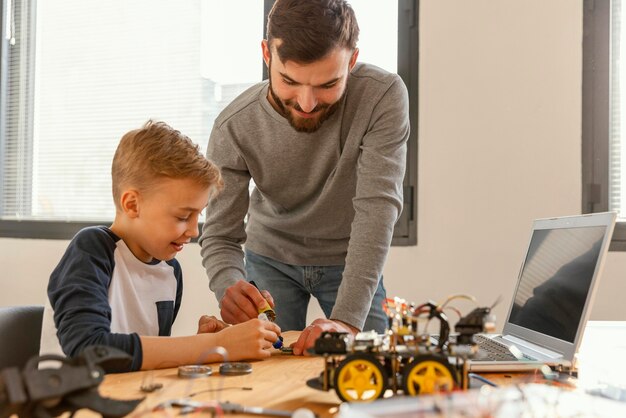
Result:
[[596, 113], [408, 62]]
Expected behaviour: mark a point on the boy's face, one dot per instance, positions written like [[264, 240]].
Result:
[[307, 94], [166, 218]]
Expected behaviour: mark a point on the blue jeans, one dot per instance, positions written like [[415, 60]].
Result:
[[292, 286]]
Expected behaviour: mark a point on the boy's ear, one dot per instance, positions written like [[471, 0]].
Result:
[[129, 201]]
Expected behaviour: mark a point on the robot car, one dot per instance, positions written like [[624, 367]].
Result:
[[405, 358]]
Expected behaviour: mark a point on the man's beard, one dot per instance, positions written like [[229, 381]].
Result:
[[303, 124]]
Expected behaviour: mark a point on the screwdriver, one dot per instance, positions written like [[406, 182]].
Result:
[[267, 314]]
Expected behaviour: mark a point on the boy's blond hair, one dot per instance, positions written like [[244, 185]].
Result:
[[156, 151]]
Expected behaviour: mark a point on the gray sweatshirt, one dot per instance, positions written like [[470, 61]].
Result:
[[324, 198]]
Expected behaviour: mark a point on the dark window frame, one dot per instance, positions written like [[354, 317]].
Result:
[[408, 61], [596, 113]]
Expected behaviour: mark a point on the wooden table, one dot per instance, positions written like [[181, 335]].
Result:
[[277, 383], [280, 382]]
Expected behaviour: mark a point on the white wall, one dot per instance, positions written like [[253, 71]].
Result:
[[499, 145]]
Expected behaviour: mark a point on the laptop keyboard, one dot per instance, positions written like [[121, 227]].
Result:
[[495, 351], [490, 350]]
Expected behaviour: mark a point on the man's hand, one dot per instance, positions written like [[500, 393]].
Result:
[[207, 324], [313, 331], [242, 302]]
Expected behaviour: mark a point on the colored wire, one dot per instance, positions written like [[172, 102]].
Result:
[[458, 296]]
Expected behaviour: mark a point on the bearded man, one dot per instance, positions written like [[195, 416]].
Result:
[[324, 140]]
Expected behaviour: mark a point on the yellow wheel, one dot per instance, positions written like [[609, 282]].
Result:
[[360, 378], [428, 374]]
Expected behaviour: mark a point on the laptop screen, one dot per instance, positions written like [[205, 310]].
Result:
[[556, 279]]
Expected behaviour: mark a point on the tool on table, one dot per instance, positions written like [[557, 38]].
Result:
[[188, 406], [45, 392], [257, 410], [267, 314], [267, 309]]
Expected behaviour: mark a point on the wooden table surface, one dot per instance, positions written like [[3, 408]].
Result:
[[277, 383]]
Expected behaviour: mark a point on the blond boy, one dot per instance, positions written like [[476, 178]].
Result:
[[121, 286]]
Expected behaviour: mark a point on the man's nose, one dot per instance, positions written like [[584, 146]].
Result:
[[306, 99]]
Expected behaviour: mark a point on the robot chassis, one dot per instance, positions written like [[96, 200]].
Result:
[[362, 368]]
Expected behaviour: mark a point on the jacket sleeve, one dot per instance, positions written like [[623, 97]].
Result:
[[377, 203], [78, 293], [224, 232]]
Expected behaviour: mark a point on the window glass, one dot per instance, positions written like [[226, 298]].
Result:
[[78, 74], [617, 148], [378, 33], [99, 69]]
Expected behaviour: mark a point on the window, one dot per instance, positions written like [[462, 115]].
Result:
[[77, 74], [604, 116]]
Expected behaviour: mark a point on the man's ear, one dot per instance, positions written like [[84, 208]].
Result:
[[129, 202], [353, 59], [267, 54]]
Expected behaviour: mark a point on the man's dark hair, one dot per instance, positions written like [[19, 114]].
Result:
[[310, 29]]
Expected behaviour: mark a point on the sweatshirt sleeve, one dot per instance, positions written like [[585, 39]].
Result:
[[377, 203], [78, 293], [224, 232]]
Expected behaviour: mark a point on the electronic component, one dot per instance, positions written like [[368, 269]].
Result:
[[405, 358], [235, 369], [194, 371]]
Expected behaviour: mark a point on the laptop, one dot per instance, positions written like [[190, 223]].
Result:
[[553, 298]]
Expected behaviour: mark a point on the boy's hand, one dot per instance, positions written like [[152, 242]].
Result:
[[242, 302], [250, 340], [208, 324], [313, 331]]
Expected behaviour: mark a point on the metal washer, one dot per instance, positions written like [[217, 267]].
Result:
[[194, 371], [235, 369]]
